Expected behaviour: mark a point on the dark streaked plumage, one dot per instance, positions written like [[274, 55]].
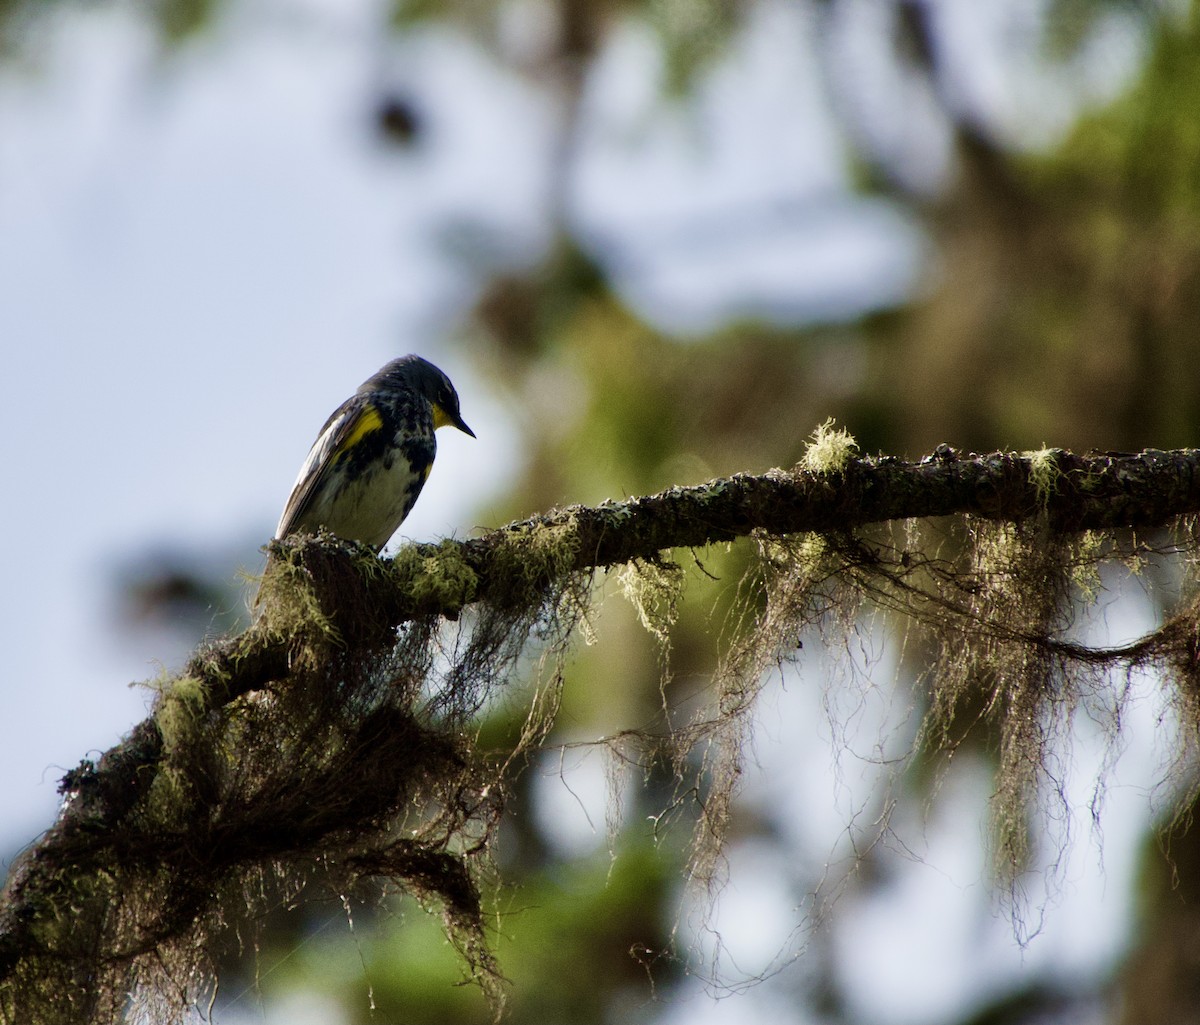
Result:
[[370, 461]]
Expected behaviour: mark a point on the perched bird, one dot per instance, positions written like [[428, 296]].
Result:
[[373, 455]]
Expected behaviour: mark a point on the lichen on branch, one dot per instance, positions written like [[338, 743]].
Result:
[[334, 741]]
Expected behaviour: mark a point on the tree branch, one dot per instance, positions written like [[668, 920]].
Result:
[[1075, 493], [515, 564]]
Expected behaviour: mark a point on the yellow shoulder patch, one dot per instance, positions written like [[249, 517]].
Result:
[[367, 421]]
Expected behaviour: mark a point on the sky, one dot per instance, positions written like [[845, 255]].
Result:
[[203, 252], [202, 256]]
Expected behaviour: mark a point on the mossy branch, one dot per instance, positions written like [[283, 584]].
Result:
[[1094, 492], [508, 565], [329, 611]]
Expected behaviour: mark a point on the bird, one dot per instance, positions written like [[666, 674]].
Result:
[[370, 461]]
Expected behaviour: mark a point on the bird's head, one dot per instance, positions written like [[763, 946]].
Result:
[[421, 376]]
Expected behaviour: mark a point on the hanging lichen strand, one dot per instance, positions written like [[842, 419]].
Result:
[[333, 744]]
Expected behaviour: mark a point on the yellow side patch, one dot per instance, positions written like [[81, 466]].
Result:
[[368, 420]]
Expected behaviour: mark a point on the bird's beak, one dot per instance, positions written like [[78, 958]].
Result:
[[442, 418]]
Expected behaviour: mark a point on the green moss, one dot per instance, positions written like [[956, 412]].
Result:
[[1088, 550], [440, 580], [830, 449], [1044, 473], [805, 555], [655, 590], [529, 559], [182, 703], [288, 605]]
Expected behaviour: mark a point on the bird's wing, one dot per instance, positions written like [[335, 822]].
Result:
[[351, 422]]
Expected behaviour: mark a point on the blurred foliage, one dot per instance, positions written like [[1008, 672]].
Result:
[[179, 19], [184, 591], [598, 923], [398, 120], [175, 20], [1068, 22], [691, 34], [1070, 283], [1061, 307]]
